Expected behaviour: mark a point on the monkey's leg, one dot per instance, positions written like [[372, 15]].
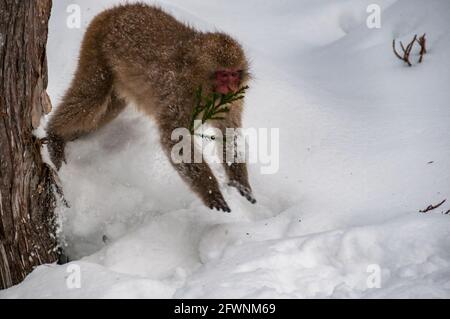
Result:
[[115, 106], [56, 144], [84, 107]]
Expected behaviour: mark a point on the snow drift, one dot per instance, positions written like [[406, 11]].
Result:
[[364, 145]]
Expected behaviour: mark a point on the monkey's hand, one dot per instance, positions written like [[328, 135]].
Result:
[[215, 200], [56, 147], [245, 191]]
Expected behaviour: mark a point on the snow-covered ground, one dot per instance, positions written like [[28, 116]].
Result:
[[364, 145]]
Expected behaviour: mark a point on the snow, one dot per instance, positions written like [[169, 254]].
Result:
[[358, 133]]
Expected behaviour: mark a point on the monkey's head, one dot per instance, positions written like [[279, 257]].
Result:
[[222, 63]]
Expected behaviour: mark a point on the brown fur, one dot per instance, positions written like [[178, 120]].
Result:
[[138, 53]]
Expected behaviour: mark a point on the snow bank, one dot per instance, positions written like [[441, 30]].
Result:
[[364, 144]]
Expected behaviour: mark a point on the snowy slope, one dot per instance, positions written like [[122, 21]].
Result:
[[364, 145]]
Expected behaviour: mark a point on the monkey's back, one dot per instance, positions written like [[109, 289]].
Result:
[[127, 29], [139, 45]]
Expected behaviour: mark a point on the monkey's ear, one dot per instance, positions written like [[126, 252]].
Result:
[[245, 75]]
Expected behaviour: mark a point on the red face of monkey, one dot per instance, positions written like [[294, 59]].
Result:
[[227, 80]]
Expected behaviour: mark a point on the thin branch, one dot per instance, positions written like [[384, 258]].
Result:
[[395, 51], [406, 51], [431, 207], [423, 46], [403, 48]]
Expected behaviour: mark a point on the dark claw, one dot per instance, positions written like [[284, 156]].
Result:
[[217, 202], [245, 191], [251, 199]]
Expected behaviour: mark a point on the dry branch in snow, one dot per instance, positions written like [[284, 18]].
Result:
[[406, 51], [423, 46], [431, 207]]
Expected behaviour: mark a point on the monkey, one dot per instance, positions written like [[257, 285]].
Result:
[[137, 53]]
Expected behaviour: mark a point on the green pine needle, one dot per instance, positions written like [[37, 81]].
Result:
[[213, 105]]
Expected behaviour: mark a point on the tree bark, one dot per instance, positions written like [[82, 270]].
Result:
[[27, 200]]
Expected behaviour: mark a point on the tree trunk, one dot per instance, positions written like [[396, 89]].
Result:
[[27, 201]]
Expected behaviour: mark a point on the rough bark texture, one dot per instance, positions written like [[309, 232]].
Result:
[[27, 232]]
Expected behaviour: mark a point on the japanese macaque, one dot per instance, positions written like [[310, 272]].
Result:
[[140, 54]]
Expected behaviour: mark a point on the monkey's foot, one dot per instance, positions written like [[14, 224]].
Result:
[[216, 201], [56, 147], [245, 191]]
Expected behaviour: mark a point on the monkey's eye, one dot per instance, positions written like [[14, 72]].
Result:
[[224, 74]]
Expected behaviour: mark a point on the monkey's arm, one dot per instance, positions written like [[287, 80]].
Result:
[[238, 178], [237, 172], [202, 181], [197, 175]]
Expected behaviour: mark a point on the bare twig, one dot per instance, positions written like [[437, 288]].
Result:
[[431, 207], [395, 51], [406, 51], [423, 46]]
